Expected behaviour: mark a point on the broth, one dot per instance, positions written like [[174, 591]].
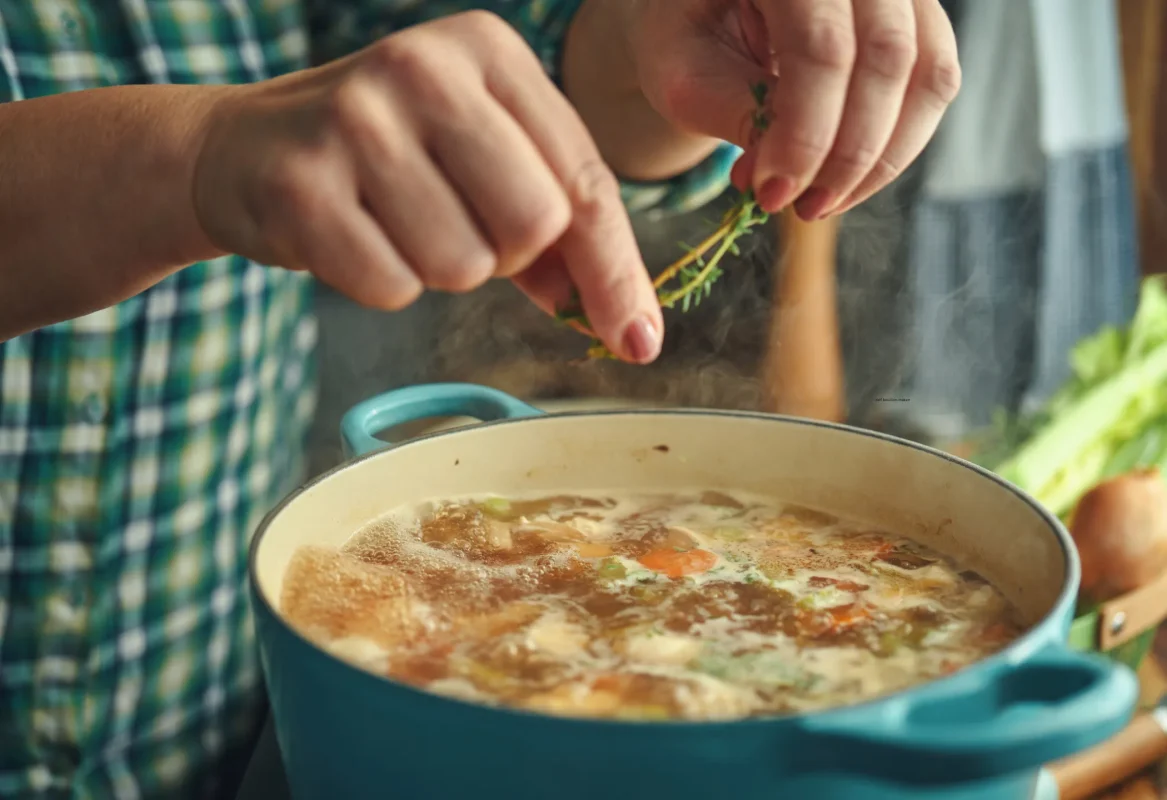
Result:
[[695, 606]]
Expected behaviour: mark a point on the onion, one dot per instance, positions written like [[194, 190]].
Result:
[[1120, 528], [498, 534]]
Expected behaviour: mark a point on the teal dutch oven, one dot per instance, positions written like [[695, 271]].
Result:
[[980, 734]]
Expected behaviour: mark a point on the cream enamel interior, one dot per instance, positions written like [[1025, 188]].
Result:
[[904, 489]]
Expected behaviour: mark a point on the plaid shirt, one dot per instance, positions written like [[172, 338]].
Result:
[[140, 445]]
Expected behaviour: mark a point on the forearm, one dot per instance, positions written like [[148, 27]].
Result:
[[599, 76], [95, 198]]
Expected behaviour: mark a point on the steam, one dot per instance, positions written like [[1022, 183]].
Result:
[[712, 357]]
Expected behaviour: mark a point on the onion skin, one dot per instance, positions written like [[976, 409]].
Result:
[[1120, 528]]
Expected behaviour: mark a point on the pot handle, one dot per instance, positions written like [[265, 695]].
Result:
[[989, 721], [400, 406]]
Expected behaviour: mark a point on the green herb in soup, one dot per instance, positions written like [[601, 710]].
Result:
[[644, 607]]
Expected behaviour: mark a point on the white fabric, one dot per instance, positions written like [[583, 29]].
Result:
[[1042, 78]]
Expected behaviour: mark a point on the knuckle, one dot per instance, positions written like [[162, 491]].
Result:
[[413, 62], [890, 53], [344, 103], [288, 189], [534, 233], [941, 78], [806, 148], [489, 28], [460, 274], [857, 158], [401, 52], [350, 104], [594, 192], [829, 42]]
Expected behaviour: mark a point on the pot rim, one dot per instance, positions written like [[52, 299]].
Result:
[[1016, 651]]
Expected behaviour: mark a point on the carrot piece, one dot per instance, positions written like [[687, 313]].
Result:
[[678, 563], [820, 622], [846, 616]]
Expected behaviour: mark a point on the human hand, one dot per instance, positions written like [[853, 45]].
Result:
[[856, 88], [439, 157]]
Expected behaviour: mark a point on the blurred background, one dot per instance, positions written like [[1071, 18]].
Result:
[[954, 295]]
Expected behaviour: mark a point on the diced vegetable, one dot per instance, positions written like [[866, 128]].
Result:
[[679, 563], [819, 622], [728, 534], [613, 569], [498, 535], [497, 507], [888, 644], [826, 597], [767, 668]]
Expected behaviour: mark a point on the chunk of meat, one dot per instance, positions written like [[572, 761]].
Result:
[[556, 532], [822, 582], [757, 606], [558, 637], [654, 647], [905, 559], [467, 531]]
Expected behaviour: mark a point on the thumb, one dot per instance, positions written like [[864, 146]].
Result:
[[704, 80]]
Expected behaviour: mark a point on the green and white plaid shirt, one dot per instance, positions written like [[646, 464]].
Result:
[[140, 445]]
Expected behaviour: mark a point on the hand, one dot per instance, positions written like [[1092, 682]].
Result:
[[856, 88], [437, 158]]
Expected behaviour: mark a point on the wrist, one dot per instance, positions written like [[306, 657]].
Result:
[[202, 112]]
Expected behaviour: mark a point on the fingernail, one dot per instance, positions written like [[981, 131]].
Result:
[[814, 203], [642, 341], [776, 194]]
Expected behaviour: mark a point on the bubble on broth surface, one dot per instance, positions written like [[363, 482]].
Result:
[[695, 605]]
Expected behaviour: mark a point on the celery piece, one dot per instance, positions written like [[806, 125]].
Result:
[[497, 507], [612, 569], [728, 534], [1057, 465]]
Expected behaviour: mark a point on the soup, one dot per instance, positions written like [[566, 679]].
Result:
[[690, 606]]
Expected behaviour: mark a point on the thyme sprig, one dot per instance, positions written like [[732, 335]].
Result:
[[690, 279]]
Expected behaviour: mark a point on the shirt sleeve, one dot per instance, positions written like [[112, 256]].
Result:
[[339, 27]]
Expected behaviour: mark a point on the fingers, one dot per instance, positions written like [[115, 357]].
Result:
[[547, 283], [505, 181], [344, 246], [814, 44], [885, 57], [862, 87], [415, 205], [934, 84], [599, 249]]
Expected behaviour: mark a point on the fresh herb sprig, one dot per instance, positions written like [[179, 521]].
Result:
[[689, 279]]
